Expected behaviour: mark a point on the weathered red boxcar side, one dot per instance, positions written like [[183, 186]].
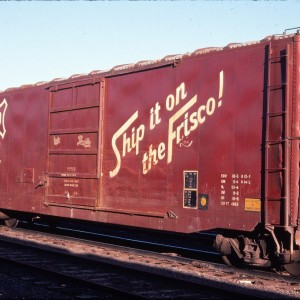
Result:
[[188, 143], [23, 147]]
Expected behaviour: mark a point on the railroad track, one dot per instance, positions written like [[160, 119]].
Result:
[[131, 273], [116, 280]]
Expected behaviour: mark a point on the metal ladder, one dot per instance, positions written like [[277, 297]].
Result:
[[276, 62]]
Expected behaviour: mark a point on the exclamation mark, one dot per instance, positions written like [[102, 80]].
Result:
[[221, 77]]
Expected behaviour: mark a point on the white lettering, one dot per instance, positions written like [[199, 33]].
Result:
[[133, 141], [200, 118], [2, 118], [190, 122], [154, 116], [181, 124], [170, 102], [128, 144], [153, 156], [172, 134], [210, 106], [181, 94]]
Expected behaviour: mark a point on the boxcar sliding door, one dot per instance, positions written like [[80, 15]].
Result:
[[73, 145]]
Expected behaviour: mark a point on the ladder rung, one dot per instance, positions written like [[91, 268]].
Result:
[[275, 199], [276, 87], [277, 57], [276, 114], [275, 142], [275, 169], [294, 138]]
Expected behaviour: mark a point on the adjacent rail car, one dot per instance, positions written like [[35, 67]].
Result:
[[200, 141]]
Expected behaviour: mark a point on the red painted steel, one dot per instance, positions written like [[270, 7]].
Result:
[[188, 143]]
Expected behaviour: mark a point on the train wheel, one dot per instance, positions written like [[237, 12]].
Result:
[[293, 269], [11, 223], [231, 261], [226, 260]]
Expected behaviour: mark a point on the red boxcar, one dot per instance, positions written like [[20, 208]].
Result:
[[187, 143]]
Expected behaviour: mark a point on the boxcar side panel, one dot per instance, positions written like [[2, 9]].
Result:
[[23, 148], [186, 142]]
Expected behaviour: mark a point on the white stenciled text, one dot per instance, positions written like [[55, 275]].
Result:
[[186, 117]]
